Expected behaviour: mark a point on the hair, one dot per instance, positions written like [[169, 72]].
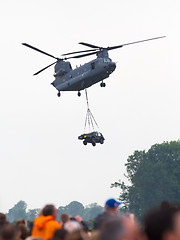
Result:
[[24, 230], [77, 235], [64, 217], [48, 210], [160, 220], [112, 229], [9, 232], [60, 234], [2, 219], [21, 221]]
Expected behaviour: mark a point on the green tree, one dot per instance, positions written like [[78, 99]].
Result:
[[18, 211], [73, 209], [32, 214], [153, 177], [92, 210]]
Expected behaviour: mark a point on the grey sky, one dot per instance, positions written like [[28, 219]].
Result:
[[41, 159]]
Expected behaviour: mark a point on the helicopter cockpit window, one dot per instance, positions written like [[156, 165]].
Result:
[[70, 66], [107, 60]]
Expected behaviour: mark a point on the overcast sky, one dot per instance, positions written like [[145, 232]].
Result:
[[42, 161]]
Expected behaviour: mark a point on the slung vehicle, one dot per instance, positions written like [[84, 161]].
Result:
[[68, 79], [93, 137]]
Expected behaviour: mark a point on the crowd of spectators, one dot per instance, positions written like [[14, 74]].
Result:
[[162, 223]]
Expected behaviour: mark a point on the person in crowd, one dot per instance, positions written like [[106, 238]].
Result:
[[163, 223], [24, 232], [113, 229], [3, 220], [64, 218], [111, 209], [60, 234], [45, 225], [21, 221], [9, 232], [72, 226], [77, 235]]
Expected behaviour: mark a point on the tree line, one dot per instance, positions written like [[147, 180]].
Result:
[[74, 208], [153, 176]]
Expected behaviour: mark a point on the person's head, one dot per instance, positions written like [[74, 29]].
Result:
[[132, 227], [21, 221], [163, 223], [113, 229], [9, 232], [77, 235], [64, 218], [24, 232], [2, 219], [49, 210], [72, 226], [60, 234], [111, 206]]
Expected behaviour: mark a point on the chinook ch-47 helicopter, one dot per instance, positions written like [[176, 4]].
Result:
[[68, 79]]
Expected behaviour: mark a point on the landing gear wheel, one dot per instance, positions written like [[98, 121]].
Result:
[[94, 144], [102, 84], [79, 94], [101, 141], [58, 94], [84, 142]]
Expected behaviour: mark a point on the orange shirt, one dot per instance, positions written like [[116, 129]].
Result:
[[44, 227]]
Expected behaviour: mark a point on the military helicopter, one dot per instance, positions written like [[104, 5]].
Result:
[[80, 78]]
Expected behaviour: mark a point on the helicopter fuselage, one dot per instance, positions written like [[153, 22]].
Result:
[[84, 76]]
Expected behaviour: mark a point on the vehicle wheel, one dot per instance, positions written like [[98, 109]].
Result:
[[93, 141], [84, 142], [101, 141], [79, 94], [104, 84], [58, 94]]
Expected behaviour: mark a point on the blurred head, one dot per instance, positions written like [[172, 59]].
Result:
[[163, 223], [64, 218], [132, 227], [72, 226], [2, 219], [49, 210], [24, 232], [21, 221], [77, 235], [111, 206], [60, 234], [9, 232], [113, 229]]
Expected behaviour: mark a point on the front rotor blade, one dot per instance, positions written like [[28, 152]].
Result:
[[89, 45], [44, 68], [119, 46], [79, 52], [83, 55], [38, 50]]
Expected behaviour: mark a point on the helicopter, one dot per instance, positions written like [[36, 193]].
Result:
[[83, 77]]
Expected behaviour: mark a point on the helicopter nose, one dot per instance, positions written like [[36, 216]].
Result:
[[112, 66]]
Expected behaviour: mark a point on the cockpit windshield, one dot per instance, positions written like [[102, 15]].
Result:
[[107, 60]]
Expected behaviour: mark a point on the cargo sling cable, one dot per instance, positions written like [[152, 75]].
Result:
[[90, 120], [92, 136]]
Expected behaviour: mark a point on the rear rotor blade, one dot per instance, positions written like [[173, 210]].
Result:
[[44, 68], [79, 52], [119, 46], [89, 45], [38, 50]]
